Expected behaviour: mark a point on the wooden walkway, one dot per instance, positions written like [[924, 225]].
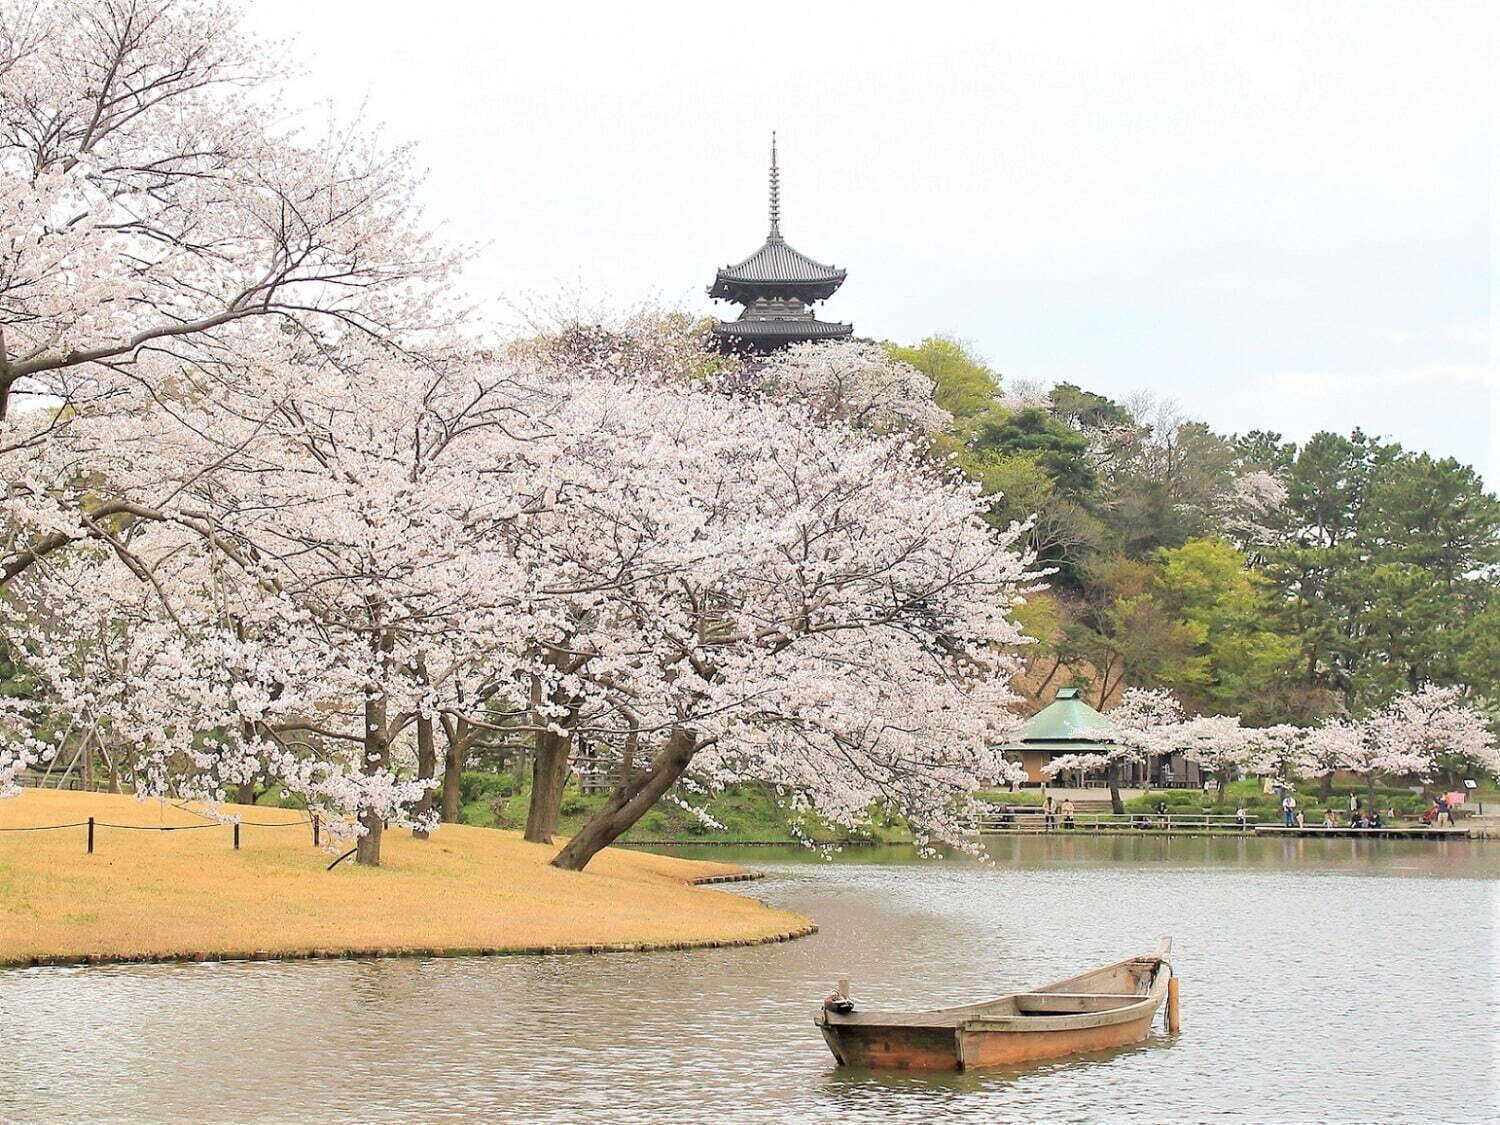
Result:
[[1407, 832]]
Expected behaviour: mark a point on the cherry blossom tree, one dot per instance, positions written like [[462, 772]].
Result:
[[1426, 733], [857, 382], [1422, 734], [1321, 751], [163, 225], [756, 594], [698, 579], [309, 532]]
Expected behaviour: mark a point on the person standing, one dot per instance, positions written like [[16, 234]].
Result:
[[1241, 818], [1353, 804], [1049, 813], [1289, 810], [1067, 812]]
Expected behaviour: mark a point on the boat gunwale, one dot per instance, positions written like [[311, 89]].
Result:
[[1067, 1021], [962, 1016]]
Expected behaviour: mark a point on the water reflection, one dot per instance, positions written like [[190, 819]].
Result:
[[1319, 977]]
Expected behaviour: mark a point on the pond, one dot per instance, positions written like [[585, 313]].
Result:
[[1322, 980]]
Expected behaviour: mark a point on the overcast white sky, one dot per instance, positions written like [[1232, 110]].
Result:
[[1277, 214]]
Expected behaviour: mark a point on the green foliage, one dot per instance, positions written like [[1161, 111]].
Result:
[[746, 812], [477, 785], [1262, 449], [1060, 451], [1262, 806], [1174, 565], [1088, 412], [1169, 489], [1231, 611], [963, 385], [1388, 568], [1006, 797]]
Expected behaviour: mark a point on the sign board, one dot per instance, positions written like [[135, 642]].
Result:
[[1470, 783]]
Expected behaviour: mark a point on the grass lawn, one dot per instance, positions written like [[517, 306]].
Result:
[[162, 895]]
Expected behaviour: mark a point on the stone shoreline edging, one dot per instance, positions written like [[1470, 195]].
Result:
[[736, 877], [328, 954]]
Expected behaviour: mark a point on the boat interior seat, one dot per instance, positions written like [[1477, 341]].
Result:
[[1070, 1003]]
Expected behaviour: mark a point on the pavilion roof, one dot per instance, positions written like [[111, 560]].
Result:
[[1067, 723]]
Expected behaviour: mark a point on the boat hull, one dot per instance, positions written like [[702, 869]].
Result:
[[928, 1048], [1107, 1008]]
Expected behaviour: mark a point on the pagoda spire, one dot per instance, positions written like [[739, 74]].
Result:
[[775, 191], [777, 285]]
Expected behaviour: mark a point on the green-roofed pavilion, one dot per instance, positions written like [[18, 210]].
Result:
[[1067, 725]]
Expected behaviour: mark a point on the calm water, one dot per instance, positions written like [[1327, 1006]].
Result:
[[1337, 980]]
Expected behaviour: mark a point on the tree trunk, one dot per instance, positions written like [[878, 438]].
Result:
[[1116, 804], [377, 744], [426, 770], [453, 770], [1325, 787], [247, 794], [549, 776], [628, 803]]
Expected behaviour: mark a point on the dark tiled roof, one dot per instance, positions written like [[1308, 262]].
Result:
[[778, 261], [803, 328]]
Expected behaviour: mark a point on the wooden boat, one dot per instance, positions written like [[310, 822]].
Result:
[[1106, 1007]]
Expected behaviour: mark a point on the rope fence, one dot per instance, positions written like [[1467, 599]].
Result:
[[93, 823]]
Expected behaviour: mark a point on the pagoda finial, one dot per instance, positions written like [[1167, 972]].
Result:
[[775, 191]]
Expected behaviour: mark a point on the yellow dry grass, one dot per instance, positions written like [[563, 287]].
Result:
[[149, 895]]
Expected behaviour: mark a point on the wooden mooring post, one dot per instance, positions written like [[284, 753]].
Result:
[[1174, 1012]]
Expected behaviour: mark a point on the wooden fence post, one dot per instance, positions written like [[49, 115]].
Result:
[[91, 835], [316, 842], [236, 837]]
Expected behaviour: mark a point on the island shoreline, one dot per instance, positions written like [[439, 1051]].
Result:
[[159, 895]]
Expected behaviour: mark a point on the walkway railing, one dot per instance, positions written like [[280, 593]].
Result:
[[1032, 819]]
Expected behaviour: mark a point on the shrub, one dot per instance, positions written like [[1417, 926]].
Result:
[[477, 785], [574, 803]]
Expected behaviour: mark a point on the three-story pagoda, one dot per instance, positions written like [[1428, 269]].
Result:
[[777, 285]]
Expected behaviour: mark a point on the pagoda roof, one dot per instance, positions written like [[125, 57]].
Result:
[[788, 328], [777, 268], [778, 262], [1067, 723]]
